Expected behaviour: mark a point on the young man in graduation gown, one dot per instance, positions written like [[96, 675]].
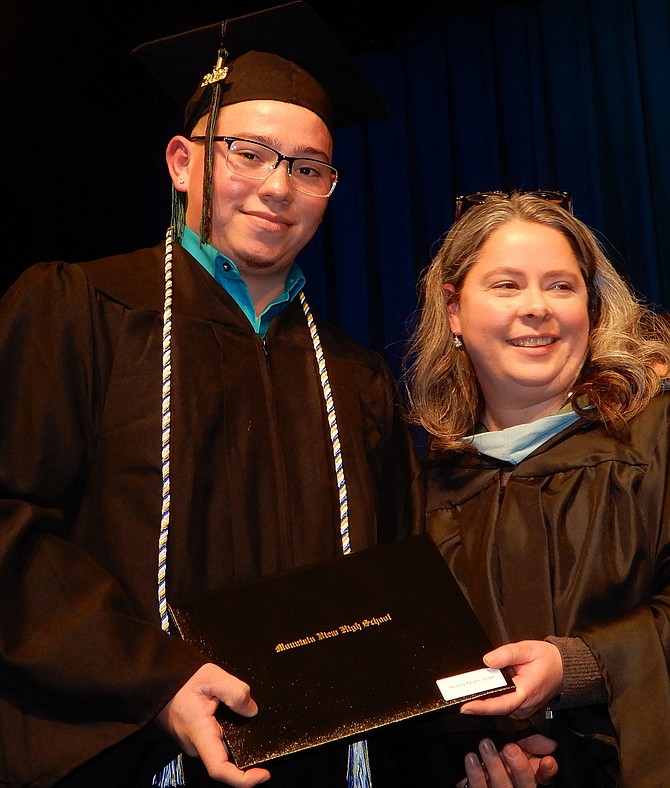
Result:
[[176, 419]]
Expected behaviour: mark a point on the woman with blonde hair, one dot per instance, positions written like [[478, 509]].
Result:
[[539, 377]]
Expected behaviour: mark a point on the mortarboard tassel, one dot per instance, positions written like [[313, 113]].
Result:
[[178, 213], [214, 78]]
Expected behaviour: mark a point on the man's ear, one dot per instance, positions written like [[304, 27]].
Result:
[[177, 156], [453, 307]]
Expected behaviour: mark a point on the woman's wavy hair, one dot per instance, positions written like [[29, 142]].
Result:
[[628, 351]]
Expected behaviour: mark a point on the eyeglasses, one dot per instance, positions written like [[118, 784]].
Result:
[[558, 198], [256, 160]]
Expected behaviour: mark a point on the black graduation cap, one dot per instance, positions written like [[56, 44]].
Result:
[[286, 53]]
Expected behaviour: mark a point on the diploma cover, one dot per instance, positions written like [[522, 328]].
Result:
[[333, 651]]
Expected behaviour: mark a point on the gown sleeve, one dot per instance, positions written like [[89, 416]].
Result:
[[73, 649]]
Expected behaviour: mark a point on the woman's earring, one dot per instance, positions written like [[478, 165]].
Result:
[[181, 180], [458, 342]]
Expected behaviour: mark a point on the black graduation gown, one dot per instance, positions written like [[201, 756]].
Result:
[[577, 545], [85, 665]]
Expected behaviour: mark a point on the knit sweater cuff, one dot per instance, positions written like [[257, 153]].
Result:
[[582, 683]]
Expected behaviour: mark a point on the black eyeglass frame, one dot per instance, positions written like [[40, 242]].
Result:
[[290, 160], [551, 195]]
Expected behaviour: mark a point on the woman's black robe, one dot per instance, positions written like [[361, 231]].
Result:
[[576, 544]]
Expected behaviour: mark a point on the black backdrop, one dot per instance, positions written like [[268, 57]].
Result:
[[567, 94]]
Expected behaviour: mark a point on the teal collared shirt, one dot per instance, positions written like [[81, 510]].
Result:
[[228, 276]]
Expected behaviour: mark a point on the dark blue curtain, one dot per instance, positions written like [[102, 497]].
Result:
[[482, 94], [562, 94]]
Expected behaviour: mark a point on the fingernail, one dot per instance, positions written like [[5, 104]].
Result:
[[471, 760], [512, 750], [487, 747]]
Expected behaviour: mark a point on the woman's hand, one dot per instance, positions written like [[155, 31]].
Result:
[[538, 674], [523, 765]]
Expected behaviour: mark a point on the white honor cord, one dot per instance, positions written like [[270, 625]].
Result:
[[358, 771], [358, 767], [172, 774]]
